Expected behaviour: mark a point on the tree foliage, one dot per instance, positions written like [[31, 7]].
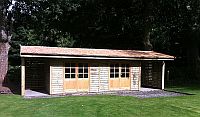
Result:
[[170, 26]]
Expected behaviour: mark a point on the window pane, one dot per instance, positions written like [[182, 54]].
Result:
[[127, 70], [67, 64], [67, 75], [80, 75], [111, 75], [67, 70], [85, 75], [127, 74], [80, 70], [117, 70], [72, 70], [111, 70], [116, 75], [123, 70], [85, 70], [72, 75], [123, 75]]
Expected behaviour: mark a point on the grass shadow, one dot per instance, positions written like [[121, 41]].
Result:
[[189, 89]]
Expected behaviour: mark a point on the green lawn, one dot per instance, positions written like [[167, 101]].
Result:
[[101, 106]]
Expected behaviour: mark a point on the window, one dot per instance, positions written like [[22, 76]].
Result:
[[82, 70], [124, 71], [70, 70], [114, 70]]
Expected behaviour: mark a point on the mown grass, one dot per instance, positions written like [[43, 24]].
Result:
[[103, 106]]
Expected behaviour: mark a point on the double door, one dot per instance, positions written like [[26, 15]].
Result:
[[76, 77], [119, 76]]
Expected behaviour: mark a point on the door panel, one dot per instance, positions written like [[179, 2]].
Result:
[[114, 83], [70, 85], [82, 77], [119, 83], [82, 85], [124, 83]]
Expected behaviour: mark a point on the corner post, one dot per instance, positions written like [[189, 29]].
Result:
[[140, 76], [163, 75], [22, 76]]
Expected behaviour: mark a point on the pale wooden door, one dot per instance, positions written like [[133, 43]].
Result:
[[125, 76], [119, 76], [76, 77], [114, 77], [70, 79], [83, 77]]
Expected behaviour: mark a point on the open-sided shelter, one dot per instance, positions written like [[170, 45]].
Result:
[[61, 70]]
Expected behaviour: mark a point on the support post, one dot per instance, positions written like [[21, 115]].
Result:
[[140, 76], [163, 75], [22, 76]]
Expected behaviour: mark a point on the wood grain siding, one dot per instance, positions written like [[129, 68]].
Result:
[[99, 77], [152, 74], [56, 69], [135, 76], [35, 76], [103, 78], [94, 78]]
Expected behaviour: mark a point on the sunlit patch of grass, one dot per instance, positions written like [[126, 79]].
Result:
[[104, 105]]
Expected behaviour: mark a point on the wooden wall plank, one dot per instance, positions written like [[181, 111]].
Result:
[[56, 77], [103, 77], [135, 75], [94, 78]]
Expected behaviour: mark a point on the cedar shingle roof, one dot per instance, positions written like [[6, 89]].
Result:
[[58, 51]]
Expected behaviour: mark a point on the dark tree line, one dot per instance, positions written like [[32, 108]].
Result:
[[169, 26]]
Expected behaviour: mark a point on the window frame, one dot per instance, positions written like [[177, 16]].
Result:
[[76, 72], [120, 68], [127, 70], [70, 67], [84, 65]]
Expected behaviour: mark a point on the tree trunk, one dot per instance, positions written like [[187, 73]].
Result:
[[4, 44], [147, 14], [4, 47], [146, 39]]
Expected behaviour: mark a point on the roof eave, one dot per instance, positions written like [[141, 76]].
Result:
[[90, 57]]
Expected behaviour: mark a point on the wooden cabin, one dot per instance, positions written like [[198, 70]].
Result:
[[62, 70]]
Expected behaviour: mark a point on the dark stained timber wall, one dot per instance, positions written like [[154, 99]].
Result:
[[35, 76], [151, 74]]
